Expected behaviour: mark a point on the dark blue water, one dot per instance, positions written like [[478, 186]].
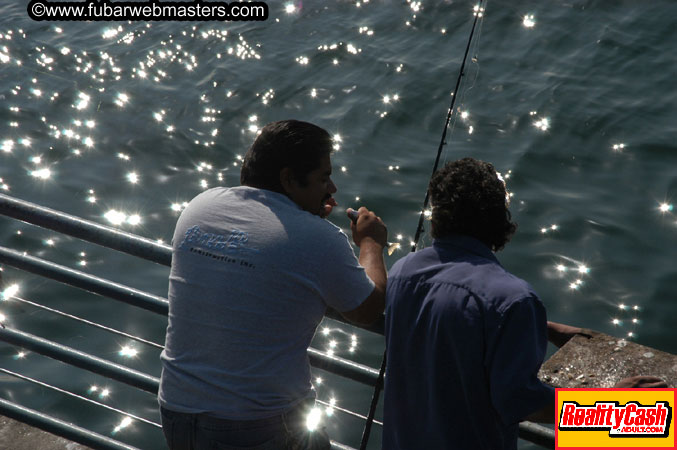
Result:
[[122, 122]]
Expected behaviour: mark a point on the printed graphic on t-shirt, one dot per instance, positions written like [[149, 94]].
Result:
[[232, 249]]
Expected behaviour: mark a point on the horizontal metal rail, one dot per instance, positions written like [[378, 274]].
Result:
[[60, 427], [89, 322], [106, 288], [79, 397], [537, 434], [83, 280], [84, 229], [160, 254], [343, 367], [80, 359], [112, 238]]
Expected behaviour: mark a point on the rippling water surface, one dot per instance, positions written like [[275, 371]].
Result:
[[123, 122]]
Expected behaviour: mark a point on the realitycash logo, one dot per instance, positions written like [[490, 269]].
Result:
[[632, 419], [615, 418]]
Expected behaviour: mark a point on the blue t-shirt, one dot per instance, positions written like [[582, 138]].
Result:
[[252, 275], [465, 340]]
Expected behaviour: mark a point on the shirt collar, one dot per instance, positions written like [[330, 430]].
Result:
[[467, 243]]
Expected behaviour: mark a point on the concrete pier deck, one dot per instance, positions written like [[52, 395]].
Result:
[[600, 361], [15, 435]]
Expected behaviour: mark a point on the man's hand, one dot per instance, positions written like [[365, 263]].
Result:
[[559, 334], [368, 226], [641, 381]]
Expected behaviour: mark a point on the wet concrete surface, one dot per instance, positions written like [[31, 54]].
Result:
[[600, 361], [19, 436]]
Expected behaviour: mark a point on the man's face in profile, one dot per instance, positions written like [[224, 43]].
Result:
[[316, 196]]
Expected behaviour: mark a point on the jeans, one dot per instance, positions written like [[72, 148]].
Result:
[[202, 432]]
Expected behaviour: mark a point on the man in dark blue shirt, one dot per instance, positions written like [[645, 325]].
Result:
[[464, 337]]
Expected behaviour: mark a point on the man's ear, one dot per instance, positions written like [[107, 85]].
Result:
[[287, 180]]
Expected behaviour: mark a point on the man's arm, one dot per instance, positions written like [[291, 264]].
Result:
[[370, 235], [559, 333]]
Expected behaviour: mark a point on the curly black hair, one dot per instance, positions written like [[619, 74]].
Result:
[[468, 197]]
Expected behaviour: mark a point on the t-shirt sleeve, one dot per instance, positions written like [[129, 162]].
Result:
[[514, 359], [343, 281]]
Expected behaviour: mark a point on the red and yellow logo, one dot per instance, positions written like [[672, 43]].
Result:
[[615, 418]]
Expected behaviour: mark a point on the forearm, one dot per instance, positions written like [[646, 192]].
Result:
[[371, 258], [559, 333]]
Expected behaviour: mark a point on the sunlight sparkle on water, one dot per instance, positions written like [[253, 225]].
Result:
[[9, 292], [128, 352], [122, 99], [7, 145], [665, 207], [42, 174], [553, 227], [133, 177], [83, 102], [576, 285], [127, 421], [478, 11], [134, 219], [543, 124], [313, 419], [528, 21], [115, 217]]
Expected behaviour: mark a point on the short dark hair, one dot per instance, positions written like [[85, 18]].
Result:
[[468, 197], [287, 143]]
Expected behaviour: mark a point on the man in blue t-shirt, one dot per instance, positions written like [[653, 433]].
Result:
[[464, 337]]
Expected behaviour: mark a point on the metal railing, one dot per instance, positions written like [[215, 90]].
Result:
[[157, 253]]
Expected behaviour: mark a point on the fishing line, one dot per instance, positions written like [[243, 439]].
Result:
[[478, 13]]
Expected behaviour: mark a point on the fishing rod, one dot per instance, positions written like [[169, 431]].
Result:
[[478, 13]]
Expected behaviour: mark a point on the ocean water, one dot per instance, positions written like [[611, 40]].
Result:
[[123, 122]]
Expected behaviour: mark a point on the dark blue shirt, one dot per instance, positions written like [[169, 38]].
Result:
[[465, 340]]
